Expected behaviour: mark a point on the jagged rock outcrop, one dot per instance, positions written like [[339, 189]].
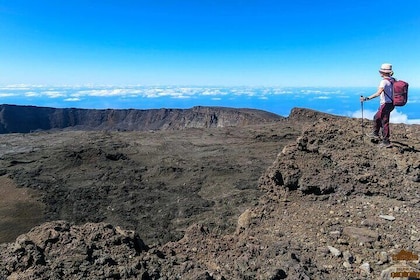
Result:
[[59, 250], [330, 156], [24, 119]]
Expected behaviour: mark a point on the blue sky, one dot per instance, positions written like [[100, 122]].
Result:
[[263, 54], [208, 42]]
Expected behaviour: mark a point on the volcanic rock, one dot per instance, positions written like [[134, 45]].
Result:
[[324, 179]]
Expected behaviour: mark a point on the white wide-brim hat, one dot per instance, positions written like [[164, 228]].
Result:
[[386, 68]]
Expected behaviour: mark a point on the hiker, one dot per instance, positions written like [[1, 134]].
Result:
[[381, 118]]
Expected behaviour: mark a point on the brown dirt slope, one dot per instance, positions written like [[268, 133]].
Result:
[[333, 206]]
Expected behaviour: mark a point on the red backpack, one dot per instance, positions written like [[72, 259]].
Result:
[[400, 92]]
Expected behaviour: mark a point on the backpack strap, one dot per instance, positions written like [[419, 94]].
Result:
[[391, 80]]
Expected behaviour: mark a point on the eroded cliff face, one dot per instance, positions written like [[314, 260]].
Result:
[[24, 119]]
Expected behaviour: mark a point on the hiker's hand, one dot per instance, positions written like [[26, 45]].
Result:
[[362, 99]]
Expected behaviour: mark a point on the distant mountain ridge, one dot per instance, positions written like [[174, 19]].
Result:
[[24, 119]]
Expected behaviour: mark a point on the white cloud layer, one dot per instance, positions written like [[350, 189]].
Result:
[[275, 99], [396, 116]]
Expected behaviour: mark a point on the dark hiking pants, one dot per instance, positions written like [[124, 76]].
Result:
[[381, 120]]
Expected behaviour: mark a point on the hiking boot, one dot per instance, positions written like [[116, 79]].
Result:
[[385, 145], [372, 135]]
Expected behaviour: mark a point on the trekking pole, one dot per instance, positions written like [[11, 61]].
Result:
[[361, 104]]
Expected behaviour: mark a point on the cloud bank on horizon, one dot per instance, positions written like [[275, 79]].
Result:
[[279, 100], [397, 116]]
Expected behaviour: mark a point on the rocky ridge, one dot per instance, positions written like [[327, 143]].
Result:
[[24, 119], [333, 206]]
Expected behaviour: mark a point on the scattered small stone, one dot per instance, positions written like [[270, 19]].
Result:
[[342, 241], [347, 265], [335, 233], [348, 257], [278, 274], [362, 235], [387, 217], [365, 268], [323, 251], [370, 223], [328, 266], [244, 220], [415, 178], [334, 251], [383, 257], [416, 246], [358, 259]]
